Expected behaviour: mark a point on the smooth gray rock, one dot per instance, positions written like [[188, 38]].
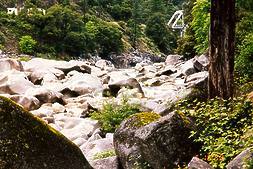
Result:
[[8, 64], [197, 163], [14, 82], [188, 68], [240, 161], [45, 95], [201, 62], [197, 80], [128, 83], [82, 84], [173, 59]]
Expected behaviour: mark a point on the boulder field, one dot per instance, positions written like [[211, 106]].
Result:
[[63, 93]]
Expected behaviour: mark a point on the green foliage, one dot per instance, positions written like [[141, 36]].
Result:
[[223, 128], [106, 35], [244, 27], [200, 24], [121, 11], [186, 44], [244, 61], [250, 164], [24, 58], [104, 154], [156, 30], [112, 114], [27, 44], [2, 38], [65, 28]]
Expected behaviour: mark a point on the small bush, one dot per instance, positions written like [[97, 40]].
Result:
[[27, 44], [112, 114], [224, 128]]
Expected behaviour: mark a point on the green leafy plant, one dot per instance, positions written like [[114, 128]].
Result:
[[112, 114], [200, 24], [27, 44], [223, 128], [2, 38], [244, 61]]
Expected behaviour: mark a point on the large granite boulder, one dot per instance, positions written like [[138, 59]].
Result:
[[45, 95], [82, 84], [160, 144], [14, 82], [28, 143], [241, 161], [197, 163], [128, 83], [173, 59], [75, 128], [7, 64], [27, 102], [45, 75], [73, 65], [188, 68], [201, 62]]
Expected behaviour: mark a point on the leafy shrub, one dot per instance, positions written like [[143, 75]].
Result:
[[157, 30], [200, 24], [27, 44], [223, 128], [112, 114], [2, 38], [244, 61], [186, 46], [106, 37], [121, 12]]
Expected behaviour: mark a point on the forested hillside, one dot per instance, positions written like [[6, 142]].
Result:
[[76, 28]]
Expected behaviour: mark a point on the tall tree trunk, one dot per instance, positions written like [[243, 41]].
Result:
[[221, 49], [20, 4]]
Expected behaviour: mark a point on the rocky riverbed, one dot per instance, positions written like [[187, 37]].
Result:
[[64, 93]]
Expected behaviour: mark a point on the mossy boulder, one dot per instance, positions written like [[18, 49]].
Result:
[[26, 142], [146, 141]]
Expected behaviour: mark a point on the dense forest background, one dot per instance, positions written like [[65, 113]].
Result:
[[76, 28]]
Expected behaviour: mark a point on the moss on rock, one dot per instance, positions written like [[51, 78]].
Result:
[[144, 118], [26, 142]]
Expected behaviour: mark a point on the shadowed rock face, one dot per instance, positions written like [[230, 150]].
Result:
[[28, 143]]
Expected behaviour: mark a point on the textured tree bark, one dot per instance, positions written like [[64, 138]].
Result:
[[221, 49], [20, 4]]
